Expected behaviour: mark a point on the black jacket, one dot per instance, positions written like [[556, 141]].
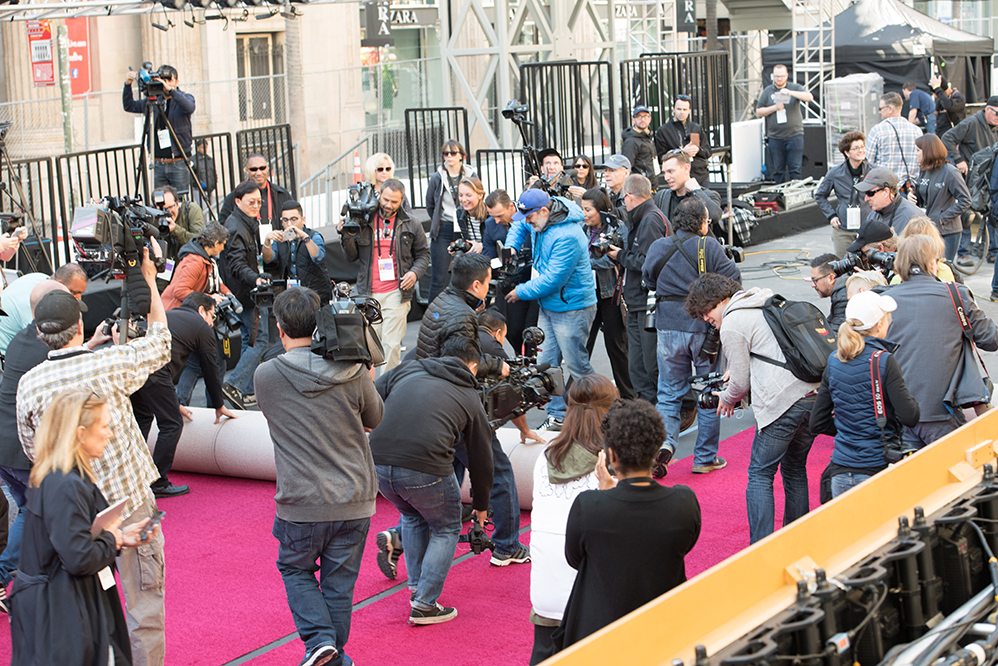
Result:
[[189, 333], [944, 195], [452, 313], [712, 200], [179, 109], [837, 313], [24, 352], [950, 110], [310, 274], [279, 195], [239, 259], [840, 182], [60, 612], [639, 148], [411, 252], [430, 405], [204, 167], [674, 135], [645, 225], [968, 136], [896, 214]]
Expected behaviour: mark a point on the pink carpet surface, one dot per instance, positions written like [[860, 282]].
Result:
[[225, 597]]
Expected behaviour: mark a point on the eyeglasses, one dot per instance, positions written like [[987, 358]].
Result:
[[818, 279], [861, 146], [883, 108], [291, 220], [254, 203], [172, 206], [257, 168], [992, 109], [451, 153], [381, 169]]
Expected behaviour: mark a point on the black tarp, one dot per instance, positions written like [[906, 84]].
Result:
[[889, 38]]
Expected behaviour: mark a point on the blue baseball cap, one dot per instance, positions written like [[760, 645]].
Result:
[[640, 109], [530, 201]]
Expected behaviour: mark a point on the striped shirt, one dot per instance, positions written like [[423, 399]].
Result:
[[126, 469], [892, 151]]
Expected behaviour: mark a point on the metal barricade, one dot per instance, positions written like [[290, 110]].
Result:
[[654, 80], [570, 104], [217, 157], [501, 169], [274, 143], [425, 132], [37, 182]]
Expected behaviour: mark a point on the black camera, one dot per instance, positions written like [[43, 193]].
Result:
[[99, 234], [515, 269], [599, 249], [459, 245], [735, 253], [263, 294], [134, 331], [227, 318], [883, 260], [151, 80], [515, 111], [711, 342], [846, 264], [345, 303], [362, 200], [709, 382], [477, 538], [528, 385]]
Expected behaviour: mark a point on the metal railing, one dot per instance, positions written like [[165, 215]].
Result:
[[322, 195], [218, 159], [425, 132], [501, 168], [36, 179], [274, 143]]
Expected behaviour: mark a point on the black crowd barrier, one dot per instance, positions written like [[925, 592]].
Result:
[[425, 132], [274, 143], [570, 104], [653, 80], [501, 168], [219, 155], [37, 183]]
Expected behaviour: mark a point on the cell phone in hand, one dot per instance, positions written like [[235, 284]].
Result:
[[290, 235], [151, 525]]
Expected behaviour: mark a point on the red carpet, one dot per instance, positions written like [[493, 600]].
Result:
[[225, 597]]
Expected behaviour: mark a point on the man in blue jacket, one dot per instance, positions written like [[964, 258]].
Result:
[[564, 286], [171, 150]]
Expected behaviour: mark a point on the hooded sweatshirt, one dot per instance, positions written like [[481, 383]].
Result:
[[317, 411], [430, 404], [195, 271], [744, 331]]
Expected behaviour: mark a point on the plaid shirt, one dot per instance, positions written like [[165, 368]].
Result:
[[126, 469], [884, 148]]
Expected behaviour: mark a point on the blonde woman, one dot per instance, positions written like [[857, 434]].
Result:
[[379, 168], [844, 406], [64, 606], [924, 226]]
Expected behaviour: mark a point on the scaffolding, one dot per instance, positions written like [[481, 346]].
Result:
[[813, 39]]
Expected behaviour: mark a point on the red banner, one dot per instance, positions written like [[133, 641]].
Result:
[[40, 49], [79, 54]]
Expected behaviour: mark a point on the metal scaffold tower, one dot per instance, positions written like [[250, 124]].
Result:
[[813, 42]]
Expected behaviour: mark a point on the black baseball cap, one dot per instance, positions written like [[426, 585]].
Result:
[[873, 231], [57, 311], [547, 152]]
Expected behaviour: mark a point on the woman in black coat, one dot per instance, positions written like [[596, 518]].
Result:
[[64, 607]]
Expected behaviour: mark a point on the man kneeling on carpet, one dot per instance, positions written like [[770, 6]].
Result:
[[629, 542], [781, 402], [317, 410], [414, 456]]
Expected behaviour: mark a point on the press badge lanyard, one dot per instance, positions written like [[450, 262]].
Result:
[[386, 267]]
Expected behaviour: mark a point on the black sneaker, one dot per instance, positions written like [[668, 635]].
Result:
[[990, 258], [434, 615], [389, 550], [234, 396], [170, 490], [521, 556], [320, 655], [994, 296], [717, 463], [551, 424], [660, 467]]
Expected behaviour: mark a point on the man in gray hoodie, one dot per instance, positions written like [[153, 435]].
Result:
[[781, 402], [317, 411]]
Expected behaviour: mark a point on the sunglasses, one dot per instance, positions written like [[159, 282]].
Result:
[[450, 153], [257, 168], [870, 193], [381, 169], [582, 165]]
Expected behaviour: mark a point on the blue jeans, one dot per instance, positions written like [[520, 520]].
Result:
[[431, 522], [927, 432], [503, 499], [678, 351], [321, 611], [930, 123], [787, 156], [782, 444], [951, 242], [440, 259], [189, 377], [994, 278], [843, 482], [17, 483], [565, 336], [242, 375], [176, 174]]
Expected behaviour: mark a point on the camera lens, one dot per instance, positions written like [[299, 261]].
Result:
[[707, 400]]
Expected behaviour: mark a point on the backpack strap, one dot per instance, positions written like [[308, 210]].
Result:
[[677, 245], [965, 326]]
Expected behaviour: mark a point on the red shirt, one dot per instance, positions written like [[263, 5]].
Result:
[[383, 247]]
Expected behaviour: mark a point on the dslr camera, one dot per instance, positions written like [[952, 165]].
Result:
[[227, 319], [134, 331], [459, 245], [362, 200], [708, 383], [599, 249], [514, 269]]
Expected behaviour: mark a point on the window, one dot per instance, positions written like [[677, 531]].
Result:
[[260, 68]]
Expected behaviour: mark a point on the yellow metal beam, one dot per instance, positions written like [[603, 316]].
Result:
[[728, 600]]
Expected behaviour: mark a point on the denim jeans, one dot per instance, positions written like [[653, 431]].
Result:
[[565, 336], [176, 174], [927, 432], [192, 371], [964, 248], [678, 351], [321, 610], [17, 483], [431, 522], [843, 482], [950, 244], [440, 258], [787, 155], [503, 499], [994, 278], [782, 444], [242, 375]]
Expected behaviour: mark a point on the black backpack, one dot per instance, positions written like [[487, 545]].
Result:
[[979, 178], [804, 336]]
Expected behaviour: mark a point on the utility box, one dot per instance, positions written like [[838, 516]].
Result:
[[850, 104]]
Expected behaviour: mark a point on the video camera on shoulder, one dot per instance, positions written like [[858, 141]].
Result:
[[151, 80], [528, 385], [227, 313], [361, 201]]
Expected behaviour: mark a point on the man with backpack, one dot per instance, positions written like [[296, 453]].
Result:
[[760, 361]]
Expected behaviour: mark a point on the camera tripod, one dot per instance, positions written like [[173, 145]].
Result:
[[153, 105], [513, 113], [19, 201]]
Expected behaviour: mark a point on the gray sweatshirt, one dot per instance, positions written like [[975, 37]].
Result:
[[317, 411], [744, 330]]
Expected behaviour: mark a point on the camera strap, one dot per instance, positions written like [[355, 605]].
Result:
[[677, 245], [876, 384], [900, 150], [965, 326]]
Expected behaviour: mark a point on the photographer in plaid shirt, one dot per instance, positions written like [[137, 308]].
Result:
[[126, 469]]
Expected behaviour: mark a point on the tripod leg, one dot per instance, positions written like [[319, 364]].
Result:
[[187, 161]]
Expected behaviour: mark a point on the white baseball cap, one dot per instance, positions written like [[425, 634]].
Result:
[[869, 307]]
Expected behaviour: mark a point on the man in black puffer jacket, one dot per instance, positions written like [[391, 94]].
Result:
[[638, 144]]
